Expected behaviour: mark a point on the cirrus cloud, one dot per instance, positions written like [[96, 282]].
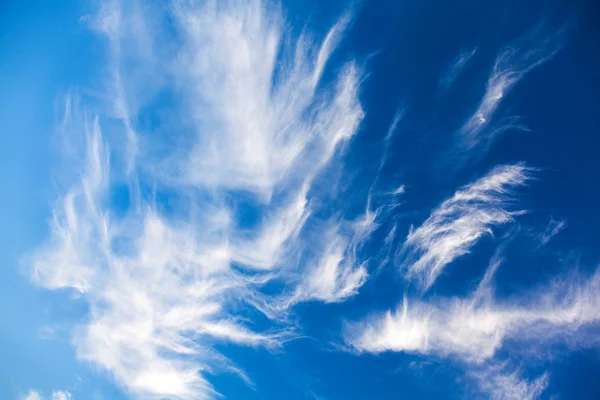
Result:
[[256, 124]]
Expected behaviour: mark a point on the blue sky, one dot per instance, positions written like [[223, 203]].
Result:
[[300, 200]]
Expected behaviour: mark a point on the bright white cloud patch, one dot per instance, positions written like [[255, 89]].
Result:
[[335, 275], [254, 125], [476, 327], [262, 118], [459, 222], [31, 395], [60, 395]]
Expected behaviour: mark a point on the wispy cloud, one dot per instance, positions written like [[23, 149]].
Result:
[[554, 228], [387, 143], [337, 273], [242, 118], [31, 395], [164, 284], [262, 120], [335, 277], [56, 395], [502, 383], [456, 67], [60, 395], [459, 222], [476, 327], [148, 302], [512, 63]]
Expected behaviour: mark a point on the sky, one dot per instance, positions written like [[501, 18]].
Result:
[[273, 199]]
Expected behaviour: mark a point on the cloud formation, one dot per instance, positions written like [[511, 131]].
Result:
[[459, 222], [263, 119], [456, 67], [474, 328], [553, 229], [216, 120], [337, 273], [60, 395], [166, 283], [56, 395], [502, 383], [512, 63], [31, 395]]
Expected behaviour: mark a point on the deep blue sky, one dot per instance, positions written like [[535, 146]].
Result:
[[403, 50]]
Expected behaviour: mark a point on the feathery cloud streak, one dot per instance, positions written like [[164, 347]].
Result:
[[163, 285], [500, 383], [459, 222], [476, 327], [512, 63], [553, 229], [456, 67], [261, 120], [56, 395]]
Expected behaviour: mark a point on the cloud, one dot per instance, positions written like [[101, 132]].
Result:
[[31, 395], [56, 395], [553, 229], [386, 152], [459, 222], [500, 383], [266, 248], [263, 118], [169, 273], [474, 328], [60, 395], [132, 60], [458, 64], [334, 275], [159, 290], [243, 116], [399, 190], [512, 63], [333, 280], [67, 260]]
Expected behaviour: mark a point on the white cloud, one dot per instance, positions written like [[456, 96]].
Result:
[[131, 63], [159, 290], [399, 190], [31, 395], [458, 64], [386, 153], [553, 229], [476, 327], [459, 222], [262, 118], [56, 395], [266, 248], [333, 281], [60, 395], [334, 276], [334, 270], [68, 260], [512, 63], [165, 283], [500, 383]]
